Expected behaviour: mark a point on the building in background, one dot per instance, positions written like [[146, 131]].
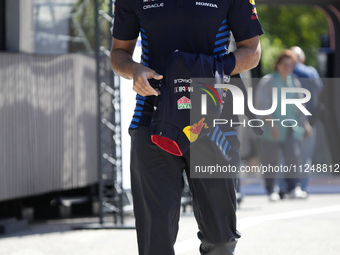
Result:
[[48, 101]]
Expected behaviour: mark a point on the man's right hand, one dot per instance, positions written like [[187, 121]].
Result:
[[123, 64], [141, 85]]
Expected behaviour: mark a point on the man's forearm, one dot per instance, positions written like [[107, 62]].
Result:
[[122, 63], [247, 57]]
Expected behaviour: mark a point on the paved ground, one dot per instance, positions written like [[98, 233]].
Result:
[[286, 227], [322, 184]]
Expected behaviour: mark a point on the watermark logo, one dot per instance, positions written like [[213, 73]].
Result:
[[209, 93], [239, 101]]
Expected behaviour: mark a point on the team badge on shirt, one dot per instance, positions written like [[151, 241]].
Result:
[[254, 11], [184, 103], [254, 14]]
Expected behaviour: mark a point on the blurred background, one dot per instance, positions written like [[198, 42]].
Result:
[[64, 115]]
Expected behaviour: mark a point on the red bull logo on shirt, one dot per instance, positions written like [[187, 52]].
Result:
[[192, 132], [254, 14]]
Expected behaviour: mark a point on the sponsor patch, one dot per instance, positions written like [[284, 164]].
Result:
[[192, 132], [207, 4], [150, 6], [183, 89], [184, 103], [182, 81], [254, 14]]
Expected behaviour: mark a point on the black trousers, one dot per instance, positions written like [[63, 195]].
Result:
[[157, 183]]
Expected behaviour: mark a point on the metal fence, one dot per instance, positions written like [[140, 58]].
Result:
[[48, 123]]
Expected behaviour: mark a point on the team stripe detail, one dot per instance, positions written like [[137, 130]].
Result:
[[145, 50], [145, 44], [221, 142], [214, 133], [140, 100], [229, 133], [222, 39], [138, 108], [220, 138], [225, 147], [222, 48], [227, 33], [223, 28], [140, 97]]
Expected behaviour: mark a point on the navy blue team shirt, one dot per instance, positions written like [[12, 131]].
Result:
[[202, 26]]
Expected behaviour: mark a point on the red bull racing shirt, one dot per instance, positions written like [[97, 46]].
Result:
[[193, 26]]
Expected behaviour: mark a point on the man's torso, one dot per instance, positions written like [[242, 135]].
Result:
[[187, 25]]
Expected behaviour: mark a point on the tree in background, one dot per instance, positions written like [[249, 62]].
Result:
[[287, 26], [83, 25]]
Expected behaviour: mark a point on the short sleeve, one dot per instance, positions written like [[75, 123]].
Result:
[[126, 23], [243, 20]]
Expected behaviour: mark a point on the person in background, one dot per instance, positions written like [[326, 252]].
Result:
[[276, 137], [310, 80]]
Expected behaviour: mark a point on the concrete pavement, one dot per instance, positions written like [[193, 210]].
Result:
[[286, 227]]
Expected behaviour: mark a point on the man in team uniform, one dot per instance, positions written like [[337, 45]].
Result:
[[200, 27]]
